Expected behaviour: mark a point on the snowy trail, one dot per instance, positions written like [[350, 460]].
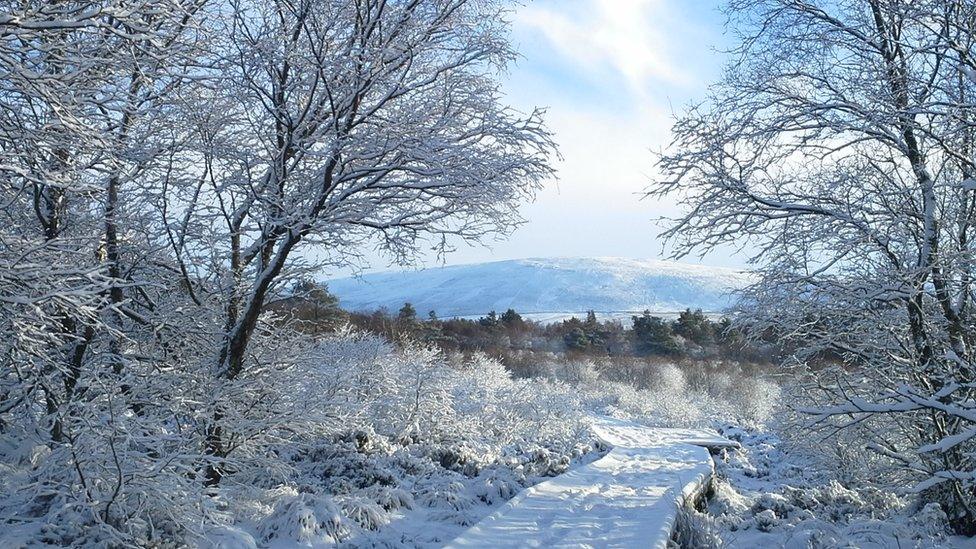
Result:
[[628, 498]]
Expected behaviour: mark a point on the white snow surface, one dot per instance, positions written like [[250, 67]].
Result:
[[628, 498], [547, 286]]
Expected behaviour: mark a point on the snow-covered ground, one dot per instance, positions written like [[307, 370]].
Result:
[[542, 287], [767, 496], [629, 498]]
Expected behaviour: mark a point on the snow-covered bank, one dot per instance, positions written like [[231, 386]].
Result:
[[773, 494], [628, 498]]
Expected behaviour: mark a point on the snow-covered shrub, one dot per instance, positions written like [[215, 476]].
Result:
[[694, 529], [305, 519], [437, 491], [393, 498], [341, 468], [766, 520], [839, 501], [368, 514], [931, 521], [775, 503], [577, 373], [499, 483], [226, 537], [725, 500]]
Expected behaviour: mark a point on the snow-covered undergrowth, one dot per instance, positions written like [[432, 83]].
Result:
[[770, 493], [354, 442], [365, 444], [423, 447], [674, 396]]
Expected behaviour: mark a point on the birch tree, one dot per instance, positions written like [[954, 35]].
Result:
[[838, 149]]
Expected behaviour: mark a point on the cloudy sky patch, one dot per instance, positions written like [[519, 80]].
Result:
[[611, 74]]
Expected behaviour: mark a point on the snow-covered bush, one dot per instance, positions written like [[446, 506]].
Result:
[[670, 395], [304, 518], [402, 430], [694, 529], [771, 494]]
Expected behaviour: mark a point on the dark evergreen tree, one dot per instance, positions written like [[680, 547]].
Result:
[[312, 304], [591, 322], [512, 319], [576, 340], [694, 326], [490, 320], [407, 313], [653, 336]]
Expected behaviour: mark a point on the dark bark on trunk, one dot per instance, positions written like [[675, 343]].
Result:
[[234, 349]]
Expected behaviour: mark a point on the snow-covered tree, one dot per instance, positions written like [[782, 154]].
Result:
[[333, 125], [168, 167], [93, 338], [839, 149]]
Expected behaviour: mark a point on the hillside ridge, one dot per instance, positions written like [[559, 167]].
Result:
[[544, 286]]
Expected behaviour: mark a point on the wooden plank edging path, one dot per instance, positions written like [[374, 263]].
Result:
[[628, 498]]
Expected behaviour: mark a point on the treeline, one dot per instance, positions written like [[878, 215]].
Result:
[[691, 335]]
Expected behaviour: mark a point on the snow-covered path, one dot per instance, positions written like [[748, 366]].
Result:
[[628, 498]]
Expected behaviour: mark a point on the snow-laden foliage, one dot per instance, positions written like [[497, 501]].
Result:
[[770, 493], [672, 396], [410, 434], [332, 447], [167, 167], [838, 148]]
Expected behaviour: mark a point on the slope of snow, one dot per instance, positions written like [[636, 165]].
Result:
[[541, 287], [629, 498]]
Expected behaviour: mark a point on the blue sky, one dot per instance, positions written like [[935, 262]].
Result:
[[612, 74]]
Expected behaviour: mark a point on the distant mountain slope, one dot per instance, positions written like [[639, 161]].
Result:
[[546, 287]]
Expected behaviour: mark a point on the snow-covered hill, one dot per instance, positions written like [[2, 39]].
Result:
[[546, 288]]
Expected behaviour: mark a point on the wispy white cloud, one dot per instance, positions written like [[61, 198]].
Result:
[[612, 72], [609, 72], [637, 39]]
